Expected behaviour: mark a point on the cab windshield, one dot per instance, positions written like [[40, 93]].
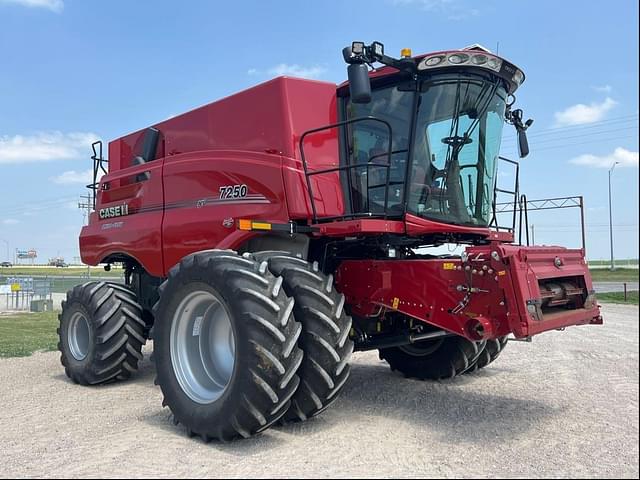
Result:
[[451, 164]]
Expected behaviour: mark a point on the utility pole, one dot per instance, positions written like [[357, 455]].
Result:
[[611, 216], [533, 234], [86, 205], [7, 243]]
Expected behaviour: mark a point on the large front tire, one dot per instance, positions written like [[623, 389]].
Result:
[[435, 359], [325, 333], [225, 345], [101, 333]]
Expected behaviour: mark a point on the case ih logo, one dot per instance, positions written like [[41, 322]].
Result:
[[118, 211]]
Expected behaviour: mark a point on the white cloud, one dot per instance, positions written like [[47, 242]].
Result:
[[71, 177], [10, 221], [45, 146], [297, 70], [581, 114], [293, 70], [53, 5], [603, 88], [624, 157], [453, 9]]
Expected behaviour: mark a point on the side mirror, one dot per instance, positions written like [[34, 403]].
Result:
[[515, 118], [359, 83], [523, 143]]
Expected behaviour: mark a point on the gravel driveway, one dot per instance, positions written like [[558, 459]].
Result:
[[564, 405]]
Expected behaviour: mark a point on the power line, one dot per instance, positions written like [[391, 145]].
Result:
[[589, 134], [557, 147], [34, 207], [628, 118], [36, 204]]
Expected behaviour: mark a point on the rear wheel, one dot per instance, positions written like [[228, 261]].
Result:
[[225, 345], [490, 353], [325, 333], [434, 359], [101, 333]]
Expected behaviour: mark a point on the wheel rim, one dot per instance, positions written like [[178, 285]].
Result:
[[422, 349], [203, 350], [79, 336]]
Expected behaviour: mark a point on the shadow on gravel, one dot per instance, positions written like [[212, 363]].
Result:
[[144, 375], [449, 409], [163, 420]]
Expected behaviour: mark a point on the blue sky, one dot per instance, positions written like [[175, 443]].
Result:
[[75, 70]]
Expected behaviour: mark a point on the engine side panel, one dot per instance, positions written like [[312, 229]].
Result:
[[207, 192]]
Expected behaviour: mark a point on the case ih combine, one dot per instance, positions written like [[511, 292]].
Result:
[[268, 235]]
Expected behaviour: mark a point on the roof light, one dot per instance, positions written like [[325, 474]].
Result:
[[378, 48], [433, 61], [473, 59], [357, 48], [484, 60], [518, 77], [405, 52], [494, 63], [479, 59], [458, 58]]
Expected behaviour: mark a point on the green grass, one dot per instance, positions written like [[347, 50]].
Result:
[[617, 275], [618, 297], [24, 333], [618, 263], [59, 272]]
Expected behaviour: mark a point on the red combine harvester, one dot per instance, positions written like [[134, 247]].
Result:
[[268, 235]]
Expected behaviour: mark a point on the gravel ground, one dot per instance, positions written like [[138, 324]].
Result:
[[565, 405]]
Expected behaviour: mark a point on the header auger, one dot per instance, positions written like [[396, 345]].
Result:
[[268, 235]]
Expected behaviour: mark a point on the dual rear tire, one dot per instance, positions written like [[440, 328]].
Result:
[[244, 341], [225, 345], [325, 333]]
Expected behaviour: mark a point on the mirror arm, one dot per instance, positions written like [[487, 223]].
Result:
[[369, 56]]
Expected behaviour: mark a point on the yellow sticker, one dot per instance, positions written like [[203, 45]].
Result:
[[15, 287], [396, 302], [449, 266], [502, 273]]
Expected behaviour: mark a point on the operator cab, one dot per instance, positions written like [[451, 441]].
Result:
[[422, 135]]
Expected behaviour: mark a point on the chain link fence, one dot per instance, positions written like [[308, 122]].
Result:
[[39, 293]]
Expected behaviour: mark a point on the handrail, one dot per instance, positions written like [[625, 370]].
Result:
[[348, 167], [515, 192], [525, 206], [98, 164]]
